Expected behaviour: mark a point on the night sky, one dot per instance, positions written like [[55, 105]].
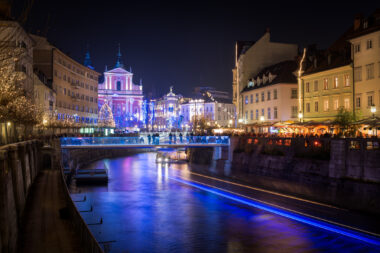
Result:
[[183, 43]]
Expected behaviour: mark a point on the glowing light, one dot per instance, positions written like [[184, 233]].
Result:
[[297, 217], [262, 118], [373, 109], [9, 124], [300, 115]]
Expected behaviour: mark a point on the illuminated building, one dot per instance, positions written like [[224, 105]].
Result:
[[365, 46], [75, 84], [167, 111], [327, 83], [271, 96], [44, 96], [16, 42], [122, 95], [216, 112], [251, 57]]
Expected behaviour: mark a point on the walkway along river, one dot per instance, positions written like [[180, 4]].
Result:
[[150, 207]]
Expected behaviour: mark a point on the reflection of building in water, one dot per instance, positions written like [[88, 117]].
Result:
[[123, 96], [167, 111]]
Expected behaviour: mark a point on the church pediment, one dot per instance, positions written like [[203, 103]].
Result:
[[119, 71]]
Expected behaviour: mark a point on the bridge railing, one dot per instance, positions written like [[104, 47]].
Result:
[[143, 140]]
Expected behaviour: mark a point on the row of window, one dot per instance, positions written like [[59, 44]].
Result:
[[256, 115], [369, 72], [76, 69], [71, 80], [249, 99], [78, 96], [370, 101], [62, 116], [78, 108], [336, 83], [326, 106], [368, 44]]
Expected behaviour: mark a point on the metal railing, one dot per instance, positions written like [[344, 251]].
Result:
[[144, 140]]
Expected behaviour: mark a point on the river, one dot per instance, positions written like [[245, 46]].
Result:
[[144, 209]]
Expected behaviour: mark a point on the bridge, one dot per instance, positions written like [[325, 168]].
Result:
[[144, 142]]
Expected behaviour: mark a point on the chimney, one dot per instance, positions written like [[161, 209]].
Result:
[[357, 21], [315, 62]]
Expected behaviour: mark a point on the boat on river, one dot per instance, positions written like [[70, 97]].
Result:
[[178, 156], [91, 176]]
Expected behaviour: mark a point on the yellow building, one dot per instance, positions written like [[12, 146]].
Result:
[[76, 85], [365, 41], [326, 91]]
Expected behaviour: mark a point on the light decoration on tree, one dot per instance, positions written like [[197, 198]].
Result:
[[16, 104], [106, 117]]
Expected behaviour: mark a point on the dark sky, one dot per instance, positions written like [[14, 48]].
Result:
[[183, 43]]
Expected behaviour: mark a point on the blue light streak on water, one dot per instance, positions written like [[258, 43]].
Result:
[[303, 219]]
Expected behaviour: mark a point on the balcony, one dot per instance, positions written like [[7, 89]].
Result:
[[75, 98], [75, 85]]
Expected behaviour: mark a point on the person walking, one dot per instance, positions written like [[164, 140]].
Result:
[[149, 138], [180, 137]]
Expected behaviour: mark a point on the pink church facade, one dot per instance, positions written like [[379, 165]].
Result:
[[123, 96]]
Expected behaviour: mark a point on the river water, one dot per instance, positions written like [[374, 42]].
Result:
[[144, 210]]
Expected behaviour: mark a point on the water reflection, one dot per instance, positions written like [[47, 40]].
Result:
[[143, 210]]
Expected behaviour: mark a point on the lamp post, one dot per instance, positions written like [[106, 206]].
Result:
[[373, 110], [300, 116], [262, 119]]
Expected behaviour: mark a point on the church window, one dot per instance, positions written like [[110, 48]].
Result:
[[118, 85]]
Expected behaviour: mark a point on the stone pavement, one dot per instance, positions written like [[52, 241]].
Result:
[[43, 230]]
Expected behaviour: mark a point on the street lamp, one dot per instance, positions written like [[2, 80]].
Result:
[[262, 119], [300, 115], [373, 110]]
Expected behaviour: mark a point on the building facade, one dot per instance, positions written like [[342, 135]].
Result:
[[271, 96], [44, 97], [219, 114], [365, 41], [251, 57], [16, 46], [122, 95], [167, 112], [75, 84], [325, 92]]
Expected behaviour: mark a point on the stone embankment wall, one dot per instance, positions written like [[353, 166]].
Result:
[[19, 166], [343, 172], [77, 158]]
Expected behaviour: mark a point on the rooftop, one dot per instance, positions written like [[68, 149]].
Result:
[[278, 73]]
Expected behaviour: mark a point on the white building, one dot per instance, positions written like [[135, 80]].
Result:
[[216, 113], [167, 112], [270, 96], [251, 57]]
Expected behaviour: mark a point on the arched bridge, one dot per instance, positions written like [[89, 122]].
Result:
[[144, 142]]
